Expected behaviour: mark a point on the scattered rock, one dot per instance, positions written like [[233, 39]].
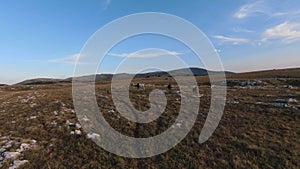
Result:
[[24, 147], [102, 96], [63, 104], [55, 113], [280, 105], [111, 111], [85, 119], [33, 117], [281, 100], [54, 123], [291, 87], [78, 126], [233, 102], [178, 124], [161, 92], [200, 95], [93, 135], [246, 83], [2, 150], [11, 155], [33, 143], [77, 132], [70, 124], [290, 100], [176, 92], [8, 144], [17, 163], [24, 100]]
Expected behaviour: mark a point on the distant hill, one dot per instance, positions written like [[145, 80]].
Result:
[[99, 77], [40, 81], [197, 72], [104, 77], [276, 73], [178, 72], [182, 72]]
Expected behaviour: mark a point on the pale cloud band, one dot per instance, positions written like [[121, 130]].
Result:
[[105, 4], [232, 40], [74, 58], [287, 32], [70, 59], [250, 9], [147, 54]]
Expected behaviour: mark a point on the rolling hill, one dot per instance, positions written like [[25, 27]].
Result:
[[104, 77]]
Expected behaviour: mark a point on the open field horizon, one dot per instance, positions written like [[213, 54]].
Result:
[[259, 127], [294, 72]]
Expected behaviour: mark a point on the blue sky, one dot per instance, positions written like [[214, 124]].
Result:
[[44, 38]]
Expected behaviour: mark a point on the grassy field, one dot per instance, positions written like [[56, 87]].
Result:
[[254, 131]]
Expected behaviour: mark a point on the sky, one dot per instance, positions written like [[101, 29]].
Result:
[[45, 38]]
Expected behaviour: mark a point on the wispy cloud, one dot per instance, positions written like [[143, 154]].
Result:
[[279, 14], [241, 30], [148, 54], [235, 41], [250, 9], [70, 59], [287, 32], [105, 4], [267, 8], [287, 14]]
